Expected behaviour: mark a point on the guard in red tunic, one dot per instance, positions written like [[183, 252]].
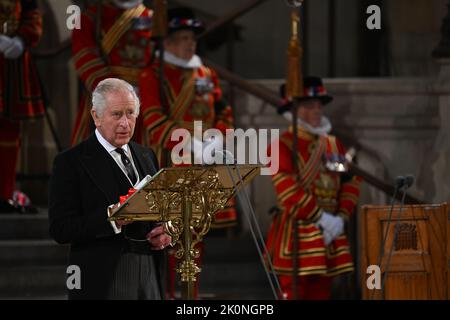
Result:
[[191, 93], [20, 93], [113, 42], [317, 197]]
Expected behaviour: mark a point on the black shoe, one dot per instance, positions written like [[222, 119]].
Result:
[[29, 210]]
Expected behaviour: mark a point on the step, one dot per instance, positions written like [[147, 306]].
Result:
[[32, 252], [239, 293], [232, 275], [32, 281], [36, 295], [251, 293], [24, 226], [220, 250]]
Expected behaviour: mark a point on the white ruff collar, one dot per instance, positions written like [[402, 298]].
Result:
[[322, 130], [194, 63]]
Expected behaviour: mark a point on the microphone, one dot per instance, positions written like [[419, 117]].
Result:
[[402, 183], [252, 222], [399, 181], [409, 181], [227, 156]]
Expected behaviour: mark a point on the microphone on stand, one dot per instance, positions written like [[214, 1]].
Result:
[[399, 182], [228, 157], [231, 162], [407, 182]]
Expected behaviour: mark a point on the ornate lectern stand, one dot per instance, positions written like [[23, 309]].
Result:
[[185, 200]]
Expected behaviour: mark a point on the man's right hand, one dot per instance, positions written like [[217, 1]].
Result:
[[120, 223]]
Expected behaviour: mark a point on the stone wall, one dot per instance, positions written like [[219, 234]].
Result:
[[397, 126]]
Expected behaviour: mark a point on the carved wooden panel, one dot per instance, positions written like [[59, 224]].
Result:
[[414, 255]]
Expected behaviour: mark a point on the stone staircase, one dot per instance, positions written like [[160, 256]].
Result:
[[232, 270], [32, 266]]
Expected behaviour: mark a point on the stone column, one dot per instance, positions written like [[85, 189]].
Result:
[[441, 167]]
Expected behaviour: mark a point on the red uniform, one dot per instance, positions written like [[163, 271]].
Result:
[[303, 202], [124, 50], [19, 85], [187, 104]]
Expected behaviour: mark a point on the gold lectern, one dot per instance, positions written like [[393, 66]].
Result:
[[185, 200]]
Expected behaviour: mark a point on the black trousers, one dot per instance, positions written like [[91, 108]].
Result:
[[135, 278]]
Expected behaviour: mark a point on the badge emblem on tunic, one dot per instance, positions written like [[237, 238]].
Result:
[[132, 51], [203, 85], [199, 110]]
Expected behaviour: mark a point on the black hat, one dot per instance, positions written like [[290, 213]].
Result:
[[183, 18], [312, 89]]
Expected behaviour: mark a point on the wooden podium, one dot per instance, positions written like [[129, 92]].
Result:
[[419, 264]]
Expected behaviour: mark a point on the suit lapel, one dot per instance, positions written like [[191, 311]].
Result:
[[142, 162], [101, 168], [104, 172]]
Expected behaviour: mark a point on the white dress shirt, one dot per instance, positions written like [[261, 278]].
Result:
[[116, 156]]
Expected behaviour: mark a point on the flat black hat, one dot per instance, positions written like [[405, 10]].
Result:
[[183, 18], [312, 89]]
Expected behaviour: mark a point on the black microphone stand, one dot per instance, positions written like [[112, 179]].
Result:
[[407, 182]]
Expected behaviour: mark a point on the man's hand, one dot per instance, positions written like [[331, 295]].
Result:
[[120, 223], [158, 238]]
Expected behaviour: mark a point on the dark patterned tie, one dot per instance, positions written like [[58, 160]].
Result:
[[128, 166]]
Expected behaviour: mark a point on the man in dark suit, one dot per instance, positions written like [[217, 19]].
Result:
[[117, 260]]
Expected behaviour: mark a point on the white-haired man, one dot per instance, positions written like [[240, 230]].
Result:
[[117, 260]]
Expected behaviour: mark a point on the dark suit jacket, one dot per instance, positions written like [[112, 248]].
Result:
[[84, 182]]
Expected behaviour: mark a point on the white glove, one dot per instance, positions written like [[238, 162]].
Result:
[[331, 225], [12, 48], [5, 42], [327, 237]]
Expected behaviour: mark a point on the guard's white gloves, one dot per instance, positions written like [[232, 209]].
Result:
[[12, 48], [332, 226], [5, 42]]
